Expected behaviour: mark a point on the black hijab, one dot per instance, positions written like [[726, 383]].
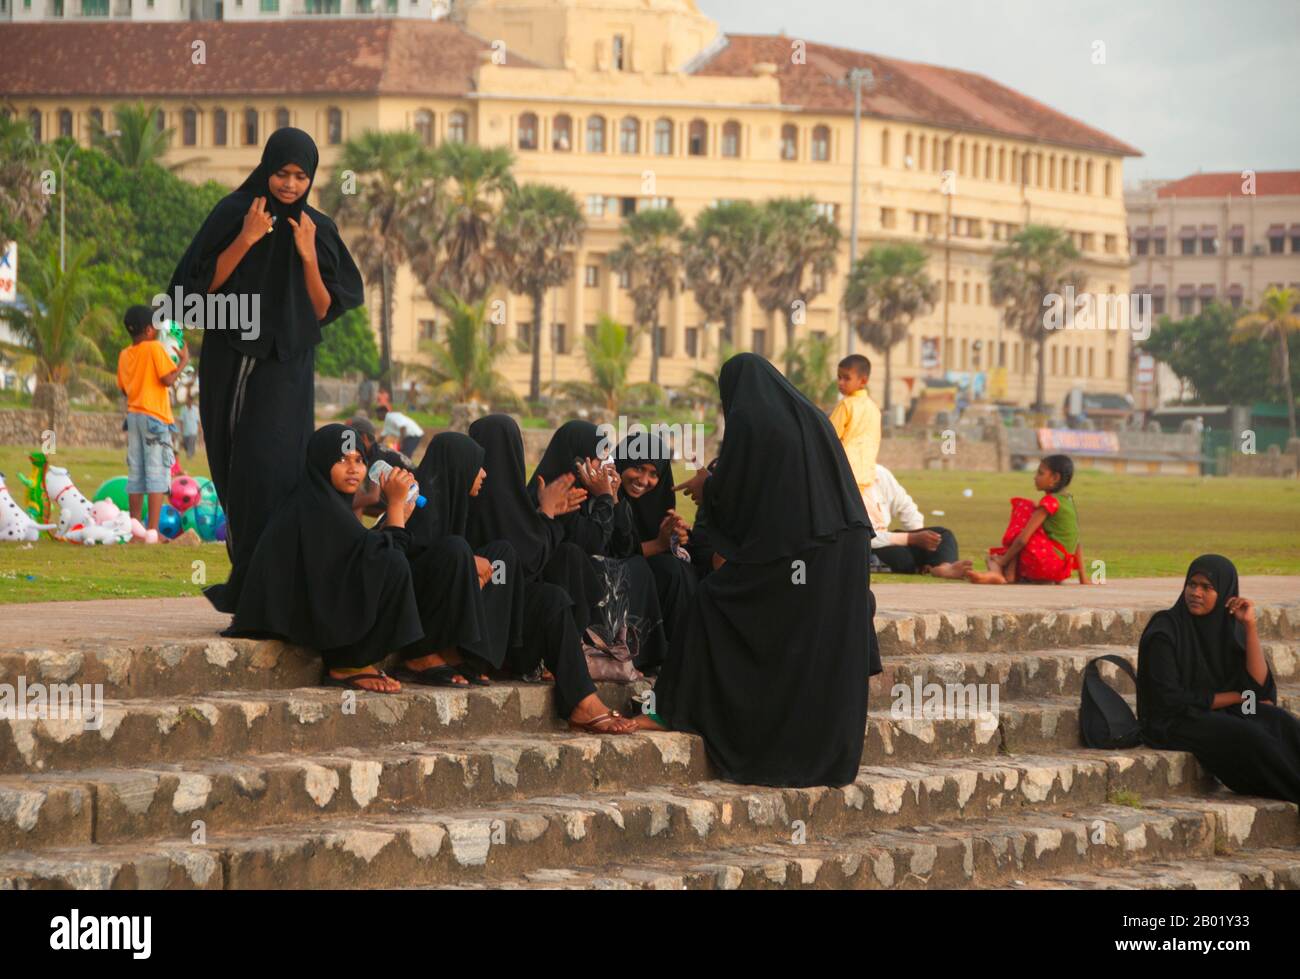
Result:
[[502, 510], [272, 269], [782, 483], [573, 440], [317, 575], [446, 474], [648, 511]]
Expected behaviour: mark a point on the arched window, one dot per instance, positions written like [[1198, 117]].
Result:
[[562, 134], [334, 125], [988, 163], [159, 120], [789, 142], [281, 117], [189, 127], [961, 158], [424, 126], [938, 158], [821, 143], [731, 139], [921, 145], [96, 121], [664, 137], [884, 148], [1051, 172], [629, 135], [65, 122], [528, 131], [250, 127], [1077, 185], [218, 127], [34, 123], [1106, 180], [697, 141], [1087, 178], [596, 134], [1002, 163], [458, 127]]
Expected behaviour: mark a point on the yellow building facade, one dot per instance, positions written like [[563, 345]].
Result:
[[641, 103]]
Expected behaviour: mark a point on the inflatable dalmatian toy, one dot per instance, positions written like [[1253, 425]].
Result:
[[77, 518], [15, 522]]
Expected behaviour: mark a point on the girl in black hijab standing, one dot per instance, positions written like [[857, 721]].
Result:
[[287, 273], [1199, 663], [772, 661]]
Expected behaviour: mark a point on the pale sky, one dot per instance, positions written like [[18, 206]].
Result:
[[1194, 84]]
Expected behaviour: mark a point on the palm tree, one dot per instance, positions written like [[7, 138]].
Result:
[[609, 357], [887, 289], [538, 228], [395, 202], [56, 323], [1276, 318], [138, 139], [463, 361], [718, 258], [21, 200], [701, 387], [457, 256], [796, 252], [812, 369], [649, 255], [1032, 267]]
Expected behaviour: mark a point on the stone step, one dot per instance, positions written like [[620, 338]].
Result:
[[425, 845], [1269, 869], [1004, 850], [211, 663]]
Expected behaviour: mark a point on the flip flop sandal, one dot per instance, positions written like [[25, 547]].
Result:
[[434, 676], [470, 674], [352, 682], [593, 726]]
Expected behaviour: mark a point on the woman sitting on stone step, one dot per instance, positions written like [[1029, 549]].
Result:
[[1204, 686]]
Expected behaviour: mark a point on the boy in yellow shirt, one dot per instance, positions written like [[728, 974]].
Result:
[[857, 423], [145, 374]]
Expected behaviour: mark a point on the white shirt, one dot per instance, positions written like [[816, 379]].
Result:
[[892, 503], [395, 423]]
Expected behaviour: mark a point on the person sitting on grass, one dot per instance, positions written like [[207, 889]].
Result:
[[1041, 542], [145, 374], [916, 549]]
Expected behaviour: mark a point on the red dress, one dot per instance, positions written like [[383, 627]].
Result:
[[1041, 559]]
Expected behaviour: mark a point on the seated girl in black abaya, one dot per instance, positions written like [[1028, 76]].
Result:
[[1204, 686], [320, 579]]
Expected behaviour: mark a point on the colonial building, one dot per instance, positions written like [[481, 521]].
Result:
[[634, 104], [30, 11]]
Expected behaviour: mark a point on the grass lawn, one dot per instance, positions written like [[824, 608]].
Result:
[[1140, 526]]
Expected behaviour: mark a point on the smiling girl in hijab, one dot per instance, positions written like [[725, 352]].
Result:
[[772, 661], [263, 244], [319, 578], [1198, 662]]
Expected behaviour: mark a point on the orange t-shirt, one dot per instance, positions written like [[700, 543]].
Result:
[[140, 368]]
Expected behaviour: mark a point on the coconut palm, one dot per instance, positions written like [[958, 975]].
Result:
[[811, 369], [1276, 319], [138, 139], [21, 201], [463, 360], [796, 252], [609, 358], [539, 228], [718, 256], [385, 189], [888, 288], [650, 255], [1033, 266], [56, 323]]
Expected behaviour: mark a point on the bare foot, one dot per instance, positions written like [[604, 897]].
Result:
[[985, 578], [432, 661], [385, 684], [592, 707], [644, 722], [952, 569]]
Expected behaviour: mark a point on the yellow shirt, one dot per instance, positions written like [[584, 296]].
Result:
[[857, 423], [140, 368]]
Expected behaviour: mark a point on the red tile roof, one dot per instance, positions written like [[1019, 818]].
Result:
[[351, 57], [908, 91], [1268, 183]]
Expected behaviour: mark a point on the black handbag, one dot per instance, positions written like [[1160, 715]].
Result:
[[1105, 718]]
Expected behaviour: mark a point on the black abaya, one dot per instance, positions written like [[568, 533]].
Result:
[[772, 662], [256, 383], [1183, 661]]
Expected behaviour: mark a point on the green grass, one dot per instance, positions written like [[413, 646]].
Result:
[[1139, 526]]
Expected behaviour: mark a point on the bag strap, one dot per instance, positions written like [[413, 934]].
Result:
[[1093, 669]]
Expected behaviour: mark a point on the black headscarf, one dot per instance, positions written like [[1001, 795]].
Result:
[[573, 440], [782, 483], [272, 270], [446, 474], [318, 575], [503, 510], [648, 511]]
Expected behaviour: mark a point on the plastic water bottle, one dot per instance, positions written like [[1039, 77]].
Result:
[[380, 469]]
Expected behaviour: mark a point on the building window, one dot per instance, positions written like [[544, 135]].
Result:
[[250, 127], [458, 127], [626, 207], [65, 122], [524, 334], [692, 341], [596, 134], [1238, 246], [1158, 246], [270, 6], [281, 117], [629, 135], [821, 144], [429, 330], [829, 211], [884, 148], [619, 53], [1111, 244], [562, 134], [591, 276], [189, 127], [1295, 244], [1141, 246], [424, 126], [528, 131], [1106, 179], [218, 127], [624, 279], [1186, 305], [559, 338], [1209, 245], [731, 139], [698, 138], [759, 342], [334, 126], [789, 143], [664, 137], [888, 217], [596, 205], [96, 122]]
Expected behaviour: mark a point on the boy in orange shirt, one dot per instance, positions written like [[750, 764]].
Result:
[[856, 420], [145, 373]]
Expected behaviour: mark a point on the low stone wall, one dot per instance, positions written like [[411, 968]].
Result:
[[85, 429], [1274, 463]]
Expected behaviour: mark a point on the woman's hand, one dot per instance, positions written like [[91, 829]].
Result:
[[694, 487], [560, 497], [395, 486], [1241, 609], [484, 570], [257, 223], [667, 527], [599, 480], [304, 236]]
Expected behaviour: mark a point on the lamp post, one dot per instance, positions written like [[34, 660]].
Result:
[[62, 161], [856, 78]]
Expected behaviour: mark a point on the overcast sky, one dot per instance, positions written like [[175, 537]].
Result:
[[1194, 84]]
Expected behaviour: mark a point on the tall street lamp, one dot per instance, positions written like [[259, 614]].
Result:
[[857, 78], [62, 161]]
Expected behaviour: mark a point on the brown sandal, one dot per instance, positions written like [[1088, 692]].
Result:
[[353, 682], [593, 726]]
